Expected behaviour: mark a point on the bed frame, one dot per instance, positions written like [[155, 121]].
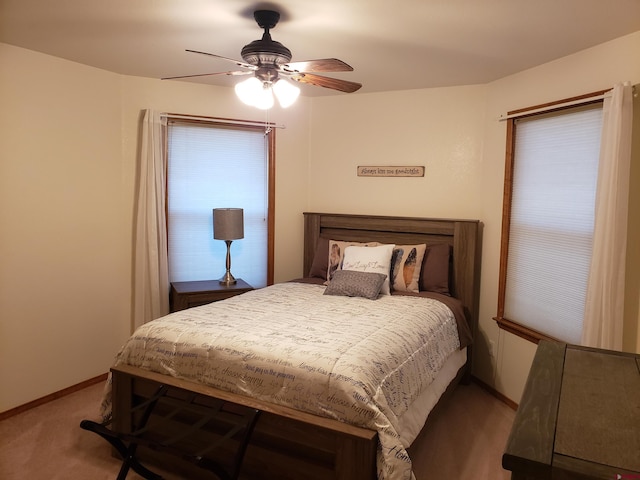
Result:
[[287, 444]]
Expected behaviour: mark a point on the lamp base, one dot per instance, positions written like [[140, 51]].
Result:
[[228, 279]]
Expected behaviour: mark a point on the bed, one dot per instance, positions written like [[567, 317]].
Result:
[[317, 416]]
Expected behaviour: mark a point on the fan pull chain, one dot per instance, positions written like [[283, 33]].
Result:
[[267, 126]]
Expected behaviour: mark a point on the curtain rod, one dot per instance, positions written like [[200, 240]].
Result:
[[556, 106], [249, 123]]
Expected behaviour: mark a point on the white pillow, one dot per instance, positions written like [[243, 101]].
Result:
[[336, 254], [370, 259]]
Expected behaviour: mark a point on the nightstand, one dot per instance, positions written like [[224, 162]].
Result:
[[192, 294]]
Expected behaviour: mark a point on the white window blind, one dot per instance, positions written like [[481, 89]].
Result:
[[216, 167], [552, 216]]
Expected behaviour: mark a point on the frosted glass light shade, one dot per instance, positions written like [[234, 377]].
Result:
[[264, 100], [254, 93], [248, 89], [285, 92]]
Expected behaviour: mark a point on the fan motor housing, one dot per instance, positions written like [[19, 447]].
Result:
[[266, 52]]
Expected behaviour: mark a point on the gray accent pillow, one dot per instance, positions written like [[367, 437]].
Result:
[[351, 283]]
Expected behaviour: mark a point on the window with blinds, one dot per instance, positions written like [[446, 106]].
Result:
[[212, 165], [552, 169]]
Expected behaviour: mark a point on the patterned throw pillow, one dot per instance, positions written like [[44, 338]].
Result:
[[406, 265], [370, 259], [336, 254], [351, 283]]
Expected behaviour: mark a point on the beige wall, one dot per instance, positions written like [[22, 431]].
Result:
[[68, 146], [440, 129], [456, 134], [63, 287]]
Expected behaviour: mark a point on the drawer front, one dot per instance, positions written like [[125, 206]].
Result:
[[183, 301]]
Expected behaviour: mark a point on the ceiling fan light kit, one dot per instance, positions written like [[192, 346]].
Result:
[[260, 94], [269, 60], [258, 91]]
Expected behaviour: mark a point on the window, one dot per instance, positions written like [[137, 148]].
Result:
[[548, 219], [219, 165]]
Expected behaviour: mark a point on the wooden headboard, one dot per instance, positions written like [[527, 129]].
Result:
[[463, 235]]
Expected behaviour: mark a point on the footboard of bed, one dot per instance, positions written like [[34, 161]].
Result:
[[286, 444]]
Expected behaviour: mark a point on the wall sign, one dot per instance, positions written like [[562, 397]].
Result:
[[390, 171]]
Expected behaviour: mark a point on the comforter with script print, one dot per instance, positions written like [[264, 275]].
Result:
[[356, 360]]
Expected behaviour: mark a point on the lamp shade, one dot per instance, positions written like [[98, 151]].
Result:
[[228, 223]]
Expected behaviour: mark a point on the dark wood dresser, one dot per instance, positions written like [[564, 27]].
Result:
[[192, 294], [579, 417]]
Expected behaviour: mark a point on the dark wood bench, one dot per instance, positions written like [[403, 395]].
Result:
[[579, 417]]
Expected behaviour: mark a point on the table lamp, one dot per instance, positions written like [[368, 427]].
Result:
[[228, 225]]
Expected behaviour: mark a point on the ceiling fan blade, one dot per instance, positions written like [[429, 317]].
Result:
[[327, 82], [237, 62], [322, 65], [234, 73]]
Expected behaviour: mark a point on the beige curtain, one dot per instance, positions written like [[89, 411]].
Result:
[[604, 308], [151, 278]]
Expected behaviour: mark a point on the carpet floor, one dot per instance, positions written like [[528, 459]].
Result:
[[464, 439]]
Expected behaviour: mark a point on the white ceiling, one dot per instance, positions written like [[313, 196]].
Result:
[[398, 45]]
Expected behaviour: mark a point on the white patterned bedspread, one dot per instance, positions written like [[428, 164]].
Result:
[[356, 360]]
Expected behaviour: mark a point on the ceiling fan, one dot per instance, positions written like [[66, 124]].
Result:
[[268, 61]]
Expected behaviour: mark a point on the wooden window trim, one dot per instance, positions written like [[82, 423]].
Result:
[[271, 211], [506, 324], [271, 172]]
